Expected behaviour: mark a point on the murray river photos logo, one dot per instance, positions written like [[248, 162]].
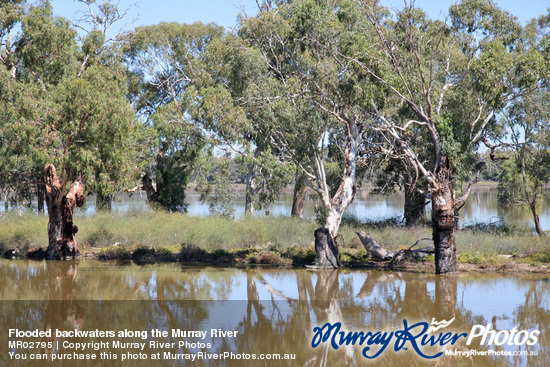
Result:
[[419, 337]]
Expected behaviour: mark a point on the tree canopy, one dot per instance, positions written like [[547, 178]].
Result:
[[311, 91]]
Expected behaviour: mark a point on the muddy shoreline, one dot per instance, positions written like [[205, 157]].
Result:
[[251, 257]]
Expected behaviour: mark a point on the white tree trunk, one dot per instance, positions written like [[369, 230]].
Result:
[[250, 188], [325, 245]]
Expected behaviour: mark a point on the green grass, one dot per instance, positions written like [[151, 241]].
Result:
[[23, 232], [257, 239]]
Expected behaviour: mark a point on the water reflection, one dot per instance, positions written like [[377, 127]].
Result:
[[273, 310]]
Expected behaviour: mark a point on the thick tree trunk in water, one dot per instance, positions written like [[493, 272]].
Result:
[[536, 218], [443, 212], [325, 244], [326, 249], [61, 230], [414, 207], [299, 198]]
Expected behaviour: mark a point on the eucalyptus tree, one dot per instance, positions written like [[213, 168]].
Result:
[[238, 115], [64, 111], [527, 123], [319, 101], [524, 178], [19, 161], [163, 61], [452, 80]]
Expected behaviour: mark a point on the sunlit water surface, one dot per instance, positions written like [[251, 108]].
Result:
[[274, 310]]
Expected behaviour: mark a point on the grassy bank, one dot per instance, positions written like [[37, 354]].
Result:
[[258, 240]]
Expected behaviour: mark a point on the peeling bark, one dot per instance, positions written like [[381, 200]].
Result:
[[326, 249], [443, 213], [61, 229], [299, 198]]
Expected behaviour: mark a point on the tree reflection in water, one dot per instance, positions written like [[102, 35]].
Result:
[[274, 310]]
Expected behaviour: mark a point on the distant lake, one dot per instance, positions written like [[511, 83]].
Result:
[[481, 207]]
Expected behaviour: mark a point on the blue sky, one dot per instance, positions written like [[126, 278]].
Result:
[[225, 12]]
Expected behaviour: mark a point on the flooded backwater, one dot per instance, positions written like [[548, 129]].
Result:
[[481, 207], [270, 312]]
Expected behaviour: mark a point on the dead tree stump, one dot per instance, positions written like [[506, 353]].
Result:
[[326, 249], [61, 229]]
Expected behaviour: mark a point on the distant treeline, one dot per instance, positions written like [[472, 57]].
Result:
[[323, 94]]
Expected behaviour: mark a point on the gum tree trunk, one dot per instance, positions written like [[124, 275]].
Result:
[[250, 190], [536, 219], [326, 249], [414, 206], [40, 196], [61, 229], [325, 244], [443, 204], [150, 190], [299, 197]]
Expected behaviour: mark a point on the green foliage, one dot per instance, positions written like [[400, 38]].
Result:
[[59, 108], [510, 183], [216, 190], [231, 109], [178, 144], [163, 60]]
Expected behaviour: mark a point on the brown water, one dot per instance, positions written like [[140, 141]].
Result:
[[271, 310]]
